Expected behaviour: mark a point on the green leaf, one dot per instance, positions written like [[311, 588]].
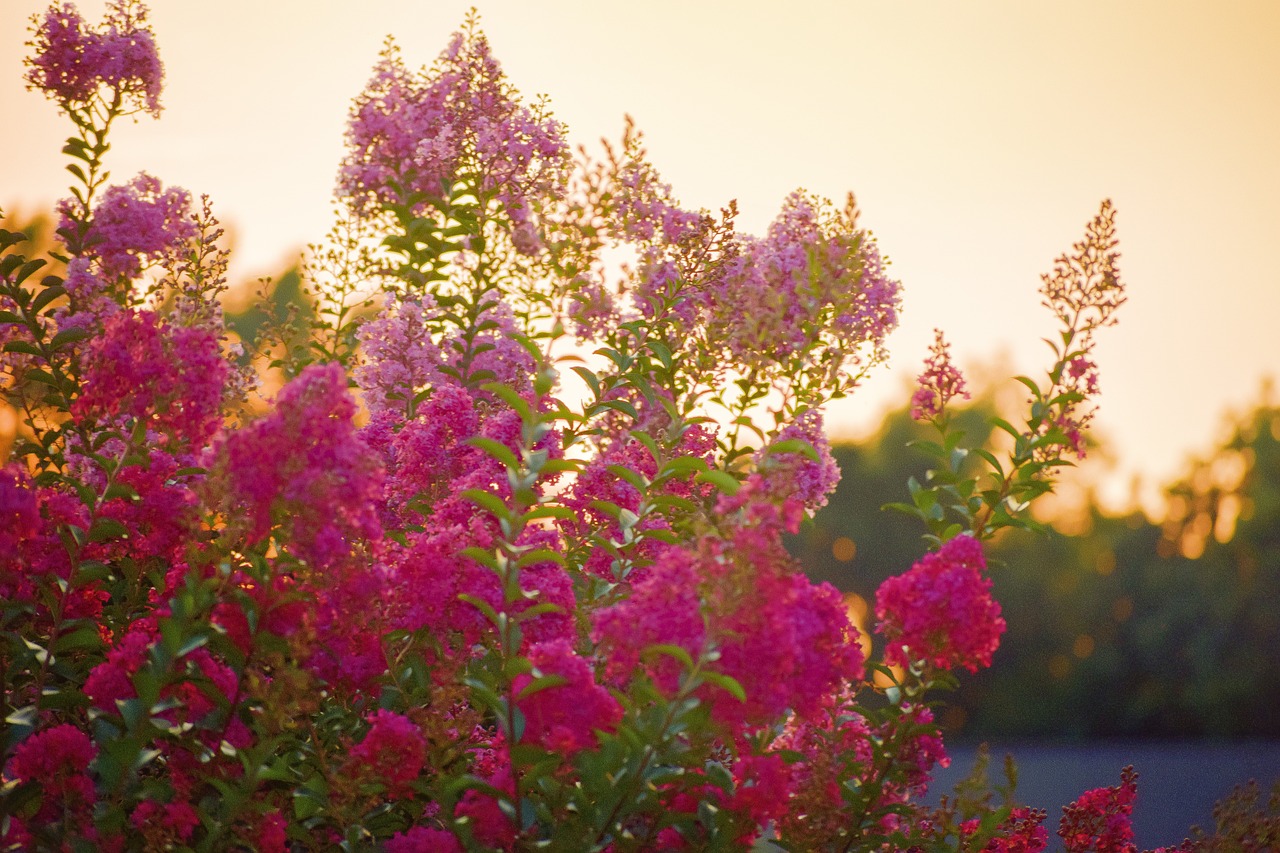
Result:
[[541, 683], [50, 293], [727, 683], [25, 271], [68, 336], [24, 347], [722, 480], [497, 450], [488, 501], [84, 637], [669, 650], [107, 528], [793, 445]]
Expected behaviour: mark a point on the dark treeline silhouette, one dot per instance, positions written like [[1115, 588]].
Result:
[[1127, 627]]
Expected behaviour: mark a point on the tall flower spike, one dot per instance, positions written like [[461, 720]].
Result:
[[73, 63], [940, 383]]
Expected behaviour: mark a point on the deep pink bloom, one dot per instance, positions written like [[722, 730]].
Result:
[[793, 473], [762, 787], [162, 823], [941, 611], [423, 839], [19, 517], [393, 752], [303, 468], [1100, 820], [170, 377], [489, 823], [57, 759], [72, 62], [564, 718], [663, 608], [1022, 832]]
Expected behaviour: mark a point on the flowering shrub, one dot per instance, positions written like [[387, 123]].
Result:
[[431, 595]]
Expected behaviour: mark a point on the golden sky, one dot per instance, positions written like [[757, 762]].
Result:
[[979, 136]]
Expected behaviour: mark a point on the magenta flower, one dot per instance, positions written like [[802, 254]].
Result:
[[1099, 821], [461, 119], [564, 718], [939, 384], [57, 760], [304, 468], [393, 752], [941, 611], [794, 474], [134, 225], [73, 63], [170, 377], [1022, 832]]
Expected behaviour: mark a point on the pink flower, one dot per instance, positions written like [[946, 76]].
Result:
[[424, 131], [393, 752], [165, 824], [423, 839], [564, 717], [794, 473], [1021, 832], [304, 468], [72, 62], [939, 384], [136, 224], [941, 611], [57, 760], [1099, 821], [170, 377], [19, 516], [400, 358]]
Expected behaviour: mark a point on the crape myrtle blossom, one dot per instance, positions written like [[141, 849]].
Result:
[[423, 131], [1100, 820], [72, 63], [134, 225], [940, 383], [304, 467], [58, 759], [784, 639], [813, 284], [941, 611], [794, 473]]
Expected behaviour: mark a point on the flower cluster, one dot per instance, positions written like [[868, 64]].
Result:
[[424, 132], [136, 224], [941, 611], [1100, 820], [940, 383], [72, 63]]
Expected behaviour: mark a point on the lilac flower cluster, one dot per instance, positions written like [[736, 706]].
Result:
[[940, 383], [136, 224], [462, 121], [73, 63]]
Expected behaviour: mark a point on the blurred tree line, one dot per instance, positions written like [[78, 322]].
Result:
[[1127, 627]]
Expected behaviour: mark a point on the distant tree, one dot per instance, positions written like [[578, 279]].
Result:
[[1131, 627]]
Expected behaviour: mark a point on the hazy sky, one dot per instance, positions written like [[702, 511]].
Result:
[[980, 137]]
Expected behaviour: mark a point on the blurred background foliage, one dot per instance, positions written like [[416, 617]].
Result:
[[1129, 624], [1119, 625]]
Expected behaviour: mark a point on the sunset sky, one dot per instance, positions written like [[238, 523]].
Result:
[[980, 137]]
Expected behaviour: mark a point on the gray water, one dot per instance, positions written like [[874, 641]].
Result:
[[1178, 782]]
